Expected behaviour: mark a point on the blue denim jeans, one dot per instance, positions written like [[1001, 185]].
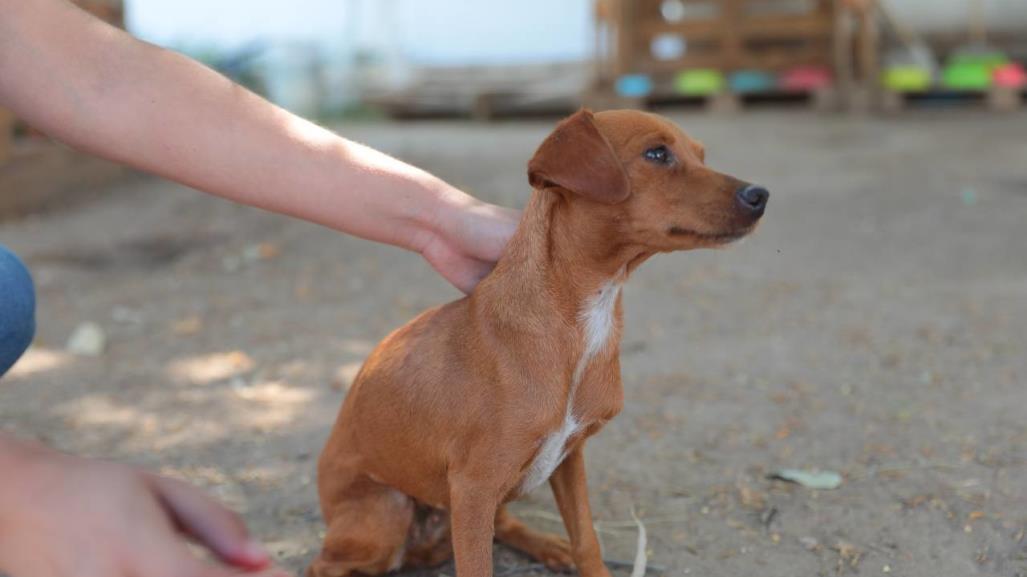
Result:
[[17, 309]]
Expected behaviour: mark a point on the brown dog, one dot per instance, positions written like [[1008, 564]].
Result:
[[479, 401]]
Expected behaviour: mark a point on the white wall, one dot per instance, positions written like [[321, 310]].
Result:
[[495, 30], [425, 31], [945, 15]]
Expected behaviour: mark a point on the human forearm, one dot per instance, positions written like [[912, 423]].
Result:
[[123, 99]]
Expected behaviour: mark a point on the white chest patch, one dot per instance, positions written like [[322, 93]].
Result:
[[597, 324], [550, 454]]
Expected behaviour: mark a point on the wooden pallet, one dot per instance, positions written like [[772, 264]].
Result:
[[722, 102], [484, 93], [726, 35], [999, 99]]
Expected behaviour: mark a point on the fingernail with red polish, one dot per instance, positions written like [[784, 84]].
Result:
[[256, 554]]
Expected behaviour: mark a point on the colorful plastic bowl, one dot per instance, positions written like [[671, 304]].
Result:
[[634, 86], [806, 79], [699, 82], [966, 76], [751, 81], [906, 79], [1009, 75]]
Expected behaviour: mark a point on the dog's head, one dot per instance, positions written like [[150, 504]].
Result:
[[642, 173]]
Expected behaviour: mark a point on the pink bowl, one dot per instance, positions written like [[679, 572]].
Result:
[[805, 78], [1010, 75]]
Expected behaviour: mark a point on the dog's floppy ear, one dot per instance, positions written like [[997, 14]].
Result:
[[578, 158]]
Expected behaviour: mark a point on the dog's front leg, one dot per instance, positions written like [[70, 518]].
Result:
[[472, 515], [571, 491]]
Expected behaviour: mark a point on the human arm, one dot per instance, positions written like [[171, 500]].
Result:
[[100, 90]]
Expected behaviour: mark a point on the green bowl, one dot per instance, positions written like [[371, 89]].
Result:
[[699, 82], [969, 76], [906, 79]]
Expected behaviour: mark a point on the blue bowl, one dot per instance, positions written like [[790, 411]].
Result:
[[750, 81], [634, 86]]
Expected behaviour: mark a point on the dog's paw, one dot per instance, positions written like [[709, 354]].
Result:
[[321, 568], [554, 552]]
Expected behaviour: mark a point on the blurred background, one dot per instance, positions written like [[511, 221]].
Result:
[[843, 393]]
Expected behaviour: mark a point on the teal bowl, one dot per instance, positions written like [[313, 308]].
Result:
[[634, 86], [751, 81]]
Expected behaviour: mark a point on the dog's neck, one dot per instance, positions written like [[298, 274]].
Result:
[[561, 259]]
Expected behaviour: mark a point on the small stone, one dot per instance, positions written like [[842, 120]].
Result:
[[126, 315], [187, 326], [886, 569], [752, 498], [267, 250], [848, 553], [251, 253], [810, 543], [231, 263], [87, 340], [257, 252]]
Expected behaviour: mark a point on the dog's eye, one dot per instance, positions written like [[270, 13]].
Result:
[[658, 155]]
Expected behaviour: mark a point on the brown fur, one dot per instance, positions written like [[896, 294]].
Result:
[[449, 411]]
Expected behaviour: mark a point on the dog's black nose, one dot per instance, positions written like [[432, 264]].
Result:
[[753, 197]]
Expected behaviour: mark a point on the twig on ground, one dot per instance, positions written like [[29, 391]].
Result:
[[619, 564], [640, 555]]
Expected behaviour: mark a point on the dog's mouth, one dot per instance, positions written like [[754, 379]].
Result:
[[712, 237]]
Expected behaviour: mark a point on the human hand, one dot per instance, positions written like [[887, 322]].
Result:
[[63, 516], [467, 239]]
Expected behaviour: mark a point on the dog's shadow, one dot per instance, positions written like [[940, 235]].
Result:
[[510, 563]]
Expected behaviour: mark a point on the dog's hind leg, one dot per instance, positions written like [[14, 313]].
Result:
[[367, 531], [552, 550], [430, 540]]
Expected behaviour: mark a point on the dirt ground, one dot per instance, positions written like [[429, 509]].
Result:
[[876, 325]]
